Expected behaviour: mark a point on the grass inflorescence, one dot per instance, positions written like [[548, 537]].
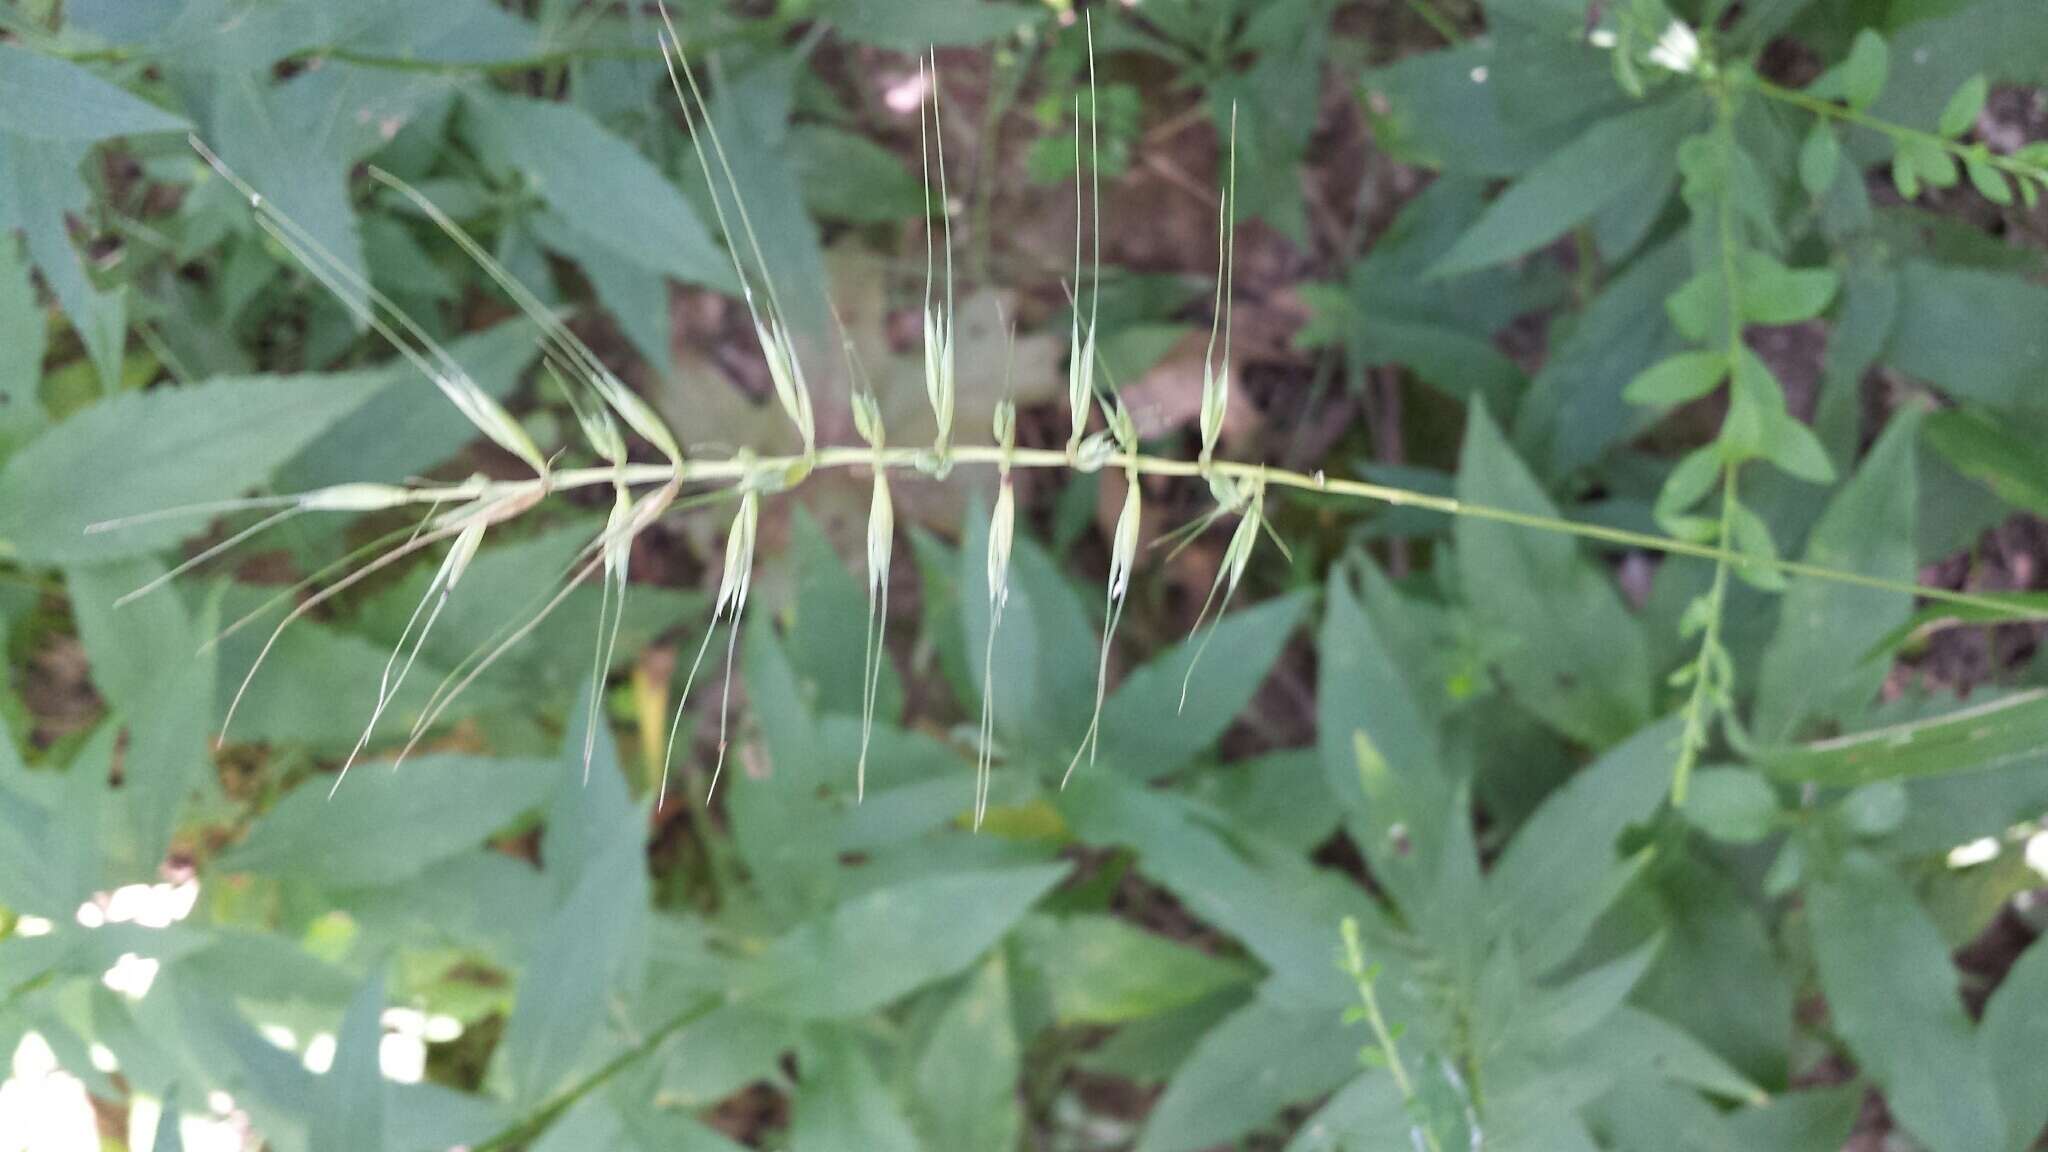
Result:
[[644, 492]]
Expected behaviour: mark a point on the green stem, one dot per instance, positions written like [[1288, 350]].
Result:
[[1705, 703], [1383, 1036], [527, 1128], [745, 467], [1961, 151]]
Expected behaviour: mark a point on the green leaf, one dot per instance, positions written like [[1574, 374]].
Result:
[[1733, 805], [148, 660], [1556, 626], [23, 333], [581, 961], [1557, 875], [180, 446], [1862, 76], [1992, 452], [1145, 730], [1960, 114], [881, 944], [1678, 380], [844, 1104], [1227, 1087], [968, 1075], [351, 1110], [1364, 701], [1809, 1120], [851, 178], [1892, 995], [1573, 184], [909, 25], [41, 188], [169, 1136], [296, 143], [2013, 1035], [1814, 667], [1986, 736], [1820, 158], [44, 98], [1774, 294], [1989, 181], [1278, 904], [382, 828], [604, 185], [1973, 333], [1101, 970]]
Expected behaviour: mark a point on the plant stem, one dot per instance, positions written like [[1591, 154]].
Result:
[[1390, 1051], [524, 1130], [1694, 737], [1833, 111], [744, 467]]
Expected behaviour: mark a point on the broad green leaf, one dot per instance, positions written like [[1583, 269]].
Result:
[[1574, 183], [1863, 74], [968, 1076], [1555, 625], [1732, 804], [1719, 975], [601, 183], [1102, 970], [853, 179], [1990, 450], [580, 963], [1678, 379], [910, 25], [843, 1104], [1362, 687], [2013, 1035], [1145, 731], [350, 1115], [180, 446], [1892, 995], [1366, 1115], [1774, 294], [1960, 114], [1228, 1086], [617, 1120], [297, 142], [1814, 668], [884, 943], [1280, 906], [1810, 1120], [1574, 412], [1819, 159], [40, 189], [731, 1047], [44, 98], [1975, 334], [381, 827], [1557, 875], [149, 661], [778, 810], [169, 1132], [1973, 739], [1630, 1040]]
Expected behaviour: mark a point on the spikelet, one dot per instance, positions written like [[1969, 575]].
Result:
[[734, 581], [867, 420], [1123, 558], [939, 316], [1002, 531], [1215, 374]]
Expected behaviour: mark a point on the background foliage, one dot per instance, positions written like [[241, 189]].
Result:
[[1762, 273]]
